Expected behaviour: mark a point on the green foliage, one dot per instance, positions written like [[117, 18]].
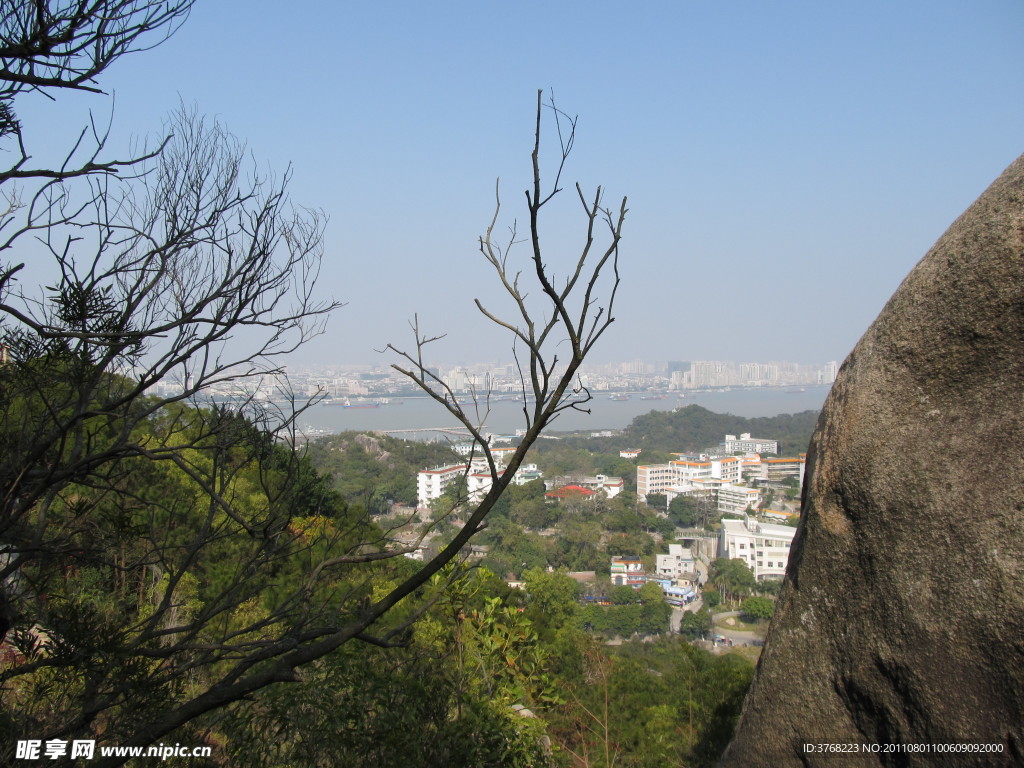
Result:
[[768, 587], [694, 428], [375, 471], [632, 612], [651, 592], [513, 549], [733, 578], [449, 697], [684, 511], [696, 624], [552, 599], [657, 501], [624, 544], [758, 608], [558, 457], [652, 704], [622, 594], [712, 598]]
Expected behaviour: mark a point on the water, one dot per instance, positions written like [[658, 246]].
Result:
[[505, 417]]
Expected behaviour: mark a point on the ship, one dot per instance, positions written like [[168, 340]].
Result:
[[349, 404]]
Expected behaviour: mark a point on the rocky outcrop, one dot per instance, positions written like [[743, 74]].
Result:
[[901, 620]]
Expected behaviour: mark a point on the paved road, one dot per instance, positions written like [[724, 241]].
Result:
[[738, 636]]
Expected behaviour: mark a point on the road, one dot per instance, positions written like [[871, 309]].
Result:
[[738, 636]]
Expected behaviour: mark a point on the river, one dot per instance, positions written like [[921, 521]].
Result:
[[421, 413]]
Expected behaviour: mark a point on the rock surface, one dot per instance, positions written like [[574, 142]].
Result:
[[902, 616]]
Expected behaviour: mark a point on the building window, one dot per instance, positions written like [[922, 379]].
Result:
[[759, 564], [743, 546]]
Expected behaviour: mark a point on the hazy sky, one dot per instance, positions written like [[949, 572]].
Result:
[[786, 163]]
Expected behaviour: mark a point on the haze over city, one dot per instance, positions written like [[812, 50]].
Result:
[[786, 164]]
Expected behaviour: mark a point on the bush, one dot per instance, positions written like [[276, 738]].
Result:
[[758, 608]]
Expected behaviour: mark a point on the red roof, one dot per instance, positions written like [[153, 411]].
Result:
[[569, 491]]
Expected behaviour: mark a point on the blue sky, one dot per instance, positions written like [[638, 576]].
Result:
[[786, 163]]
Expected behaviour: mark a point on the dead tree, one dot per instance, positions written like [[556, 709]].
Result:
[[153, 565], [572, 314]]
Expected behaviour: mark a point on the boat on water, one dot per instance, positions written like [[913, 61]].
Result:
[[349, 404], [619, 397], [346, 403]]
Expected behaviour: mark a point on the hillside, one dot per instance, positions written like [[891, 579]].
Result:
[[375, 470], [694, 428]]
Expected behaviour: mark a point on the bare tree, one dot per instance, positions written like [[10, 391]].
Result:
[[48, 46], [571, 315], [164, 554]]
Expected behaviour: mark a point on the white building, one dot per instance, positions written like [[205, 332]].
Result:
[[612, 486], [762, 546], [706, 476], [736, 499], [778, 469], [527, 473], [678, 562], [431, 483], [657, 478], [747, 444]]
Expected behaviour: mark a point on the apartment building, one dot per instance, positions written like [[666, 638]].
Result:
[[678, 562], [714, 476], [736, 499], [432, 483], [762, 546], [781, 468], [658, 478], [747, 444]]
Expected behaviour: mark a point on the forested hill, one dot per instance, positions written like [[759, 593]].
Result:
[[694, 428], [375, 470]]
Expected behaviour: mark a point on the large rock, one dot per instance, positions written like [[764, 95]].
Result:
[[901, 620]]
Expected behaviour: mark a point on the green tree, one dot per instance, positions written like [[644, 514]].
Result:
[[733, 578], [552, 599], [696, 624], [446, 697], [651, 704], [621, 594], [655, 612], [657, 501], [684, 511], [758, 608]]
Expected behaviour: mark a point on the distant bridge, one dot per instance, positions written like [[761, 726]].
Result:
[[457, 432]]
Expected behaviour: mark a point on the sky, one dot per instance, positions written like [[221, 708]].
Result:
[[786, 164]]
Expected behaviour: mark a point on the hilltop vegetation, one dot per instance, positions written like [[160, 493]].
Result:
[[695, 428], [375, 471]]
